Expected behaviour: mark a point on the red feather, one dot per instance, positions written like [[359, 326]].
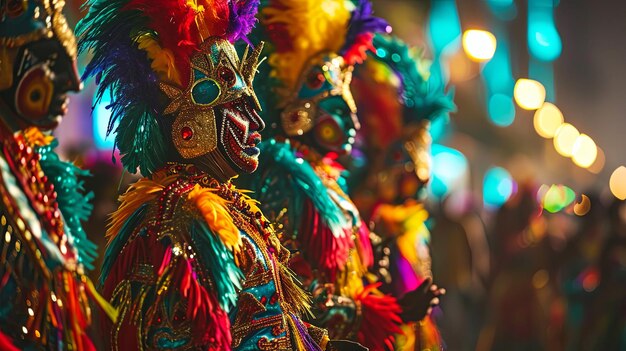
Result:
[[177, 25], [381, 319]]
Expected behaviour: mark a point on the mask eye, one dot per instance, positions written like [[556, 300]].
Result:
[[227, 76], [205, 91], [315, 79]]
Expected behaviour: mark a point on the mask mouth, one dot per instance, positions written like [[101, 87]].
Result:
[[240, 130]]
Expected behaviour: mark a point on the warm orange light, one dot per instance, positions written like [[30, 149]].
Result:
[[584, 152], [598, 165], [564, 139], [479, 45], [529, 94], [617, 183], [547, 120], [583, 207]]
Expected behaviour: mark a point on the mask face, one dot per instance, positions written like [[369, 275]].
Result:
[[407, 166], [36, 76], [218, 111], [323, 106]]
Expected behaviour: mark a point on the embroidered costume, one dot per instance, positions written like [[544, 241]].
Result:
[[191, 262], [43, 248], [397, 102], [305, 93]]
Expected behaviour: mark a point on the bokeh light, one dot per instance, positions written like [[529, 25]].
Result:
[[584, 151], [544, 41], [497, 187], [598, 164], [547, 120], [582, 208], [557, 198], [617, 183], [101, 116], [479, 45], [448, 169], [564, 139], [501, 110], [529, 94]]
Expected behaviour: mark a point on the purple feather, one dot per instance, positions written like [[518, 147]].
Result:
[[309, 344], [363, 21], [242, 19]]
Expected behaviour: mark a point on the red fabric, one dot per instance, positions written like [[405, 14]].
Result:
[[210, 323], [6, 344]]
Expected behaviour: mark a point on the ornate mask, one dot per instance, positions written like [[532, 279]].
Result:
[[37, 62], [323, 105], [407, 165], [218, 111]]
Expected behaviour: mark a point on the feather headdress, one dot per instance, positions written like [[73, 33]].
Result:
[[300, 30], [393, 91], [138, 43]]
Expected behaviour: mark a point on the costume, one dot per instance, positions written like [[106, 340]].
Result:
[[396, 103], [305, 93], [44, 250], [191, 262]]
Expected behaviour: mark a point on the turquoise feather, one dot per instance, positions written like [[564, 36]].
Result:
[[290, 177], [73, 202], [115, 246], [216, 257]]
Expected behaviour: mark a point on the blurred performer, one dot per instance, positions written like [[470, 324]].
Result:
[[396, 103], [191, 262], [313, 47], [44, 293]]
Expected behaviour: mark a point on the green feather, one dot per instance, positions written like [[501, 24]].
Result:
[[284, 176], [115, 246], [220, 262], [73, 202]]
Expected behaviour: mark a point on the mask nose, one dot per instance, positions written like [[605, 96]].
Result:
[[252, 109]]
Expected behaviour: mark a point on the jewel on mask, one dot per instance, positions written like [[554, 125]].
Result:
[[186, 133], [228, 76]]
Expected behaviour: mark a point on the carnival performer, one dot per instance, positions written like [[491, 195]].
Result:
[[397, 102], [43, 250], [305, 93], [192, 263]]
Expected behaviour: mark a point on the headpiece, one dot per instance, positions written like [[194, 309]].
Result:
[[397, 101], [26, 21], [167, 65], [313, 47]]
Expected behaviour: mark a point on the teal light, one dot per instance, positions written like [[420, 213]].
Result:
[[439, 128], [501, 109], [499, 82], [498, 186], [543, 72], [101, 116], [504, 10], [544, 41], [444, 26], [449, 167]]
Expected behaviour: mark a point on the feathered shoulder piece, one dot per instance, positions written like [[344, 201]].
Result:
[[422, 98], [300, 30], [138, 43]]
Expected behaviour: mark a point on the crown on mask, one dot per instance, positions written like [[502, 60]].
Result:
[[300, 30]]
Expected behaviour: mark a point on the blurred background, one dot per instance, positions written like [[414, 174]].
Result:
[[528, 216]]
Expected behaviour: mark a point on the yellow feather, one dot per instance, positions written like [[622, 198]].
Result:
[[214, 211], [162, 59], [143, 191], [313, 26]]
